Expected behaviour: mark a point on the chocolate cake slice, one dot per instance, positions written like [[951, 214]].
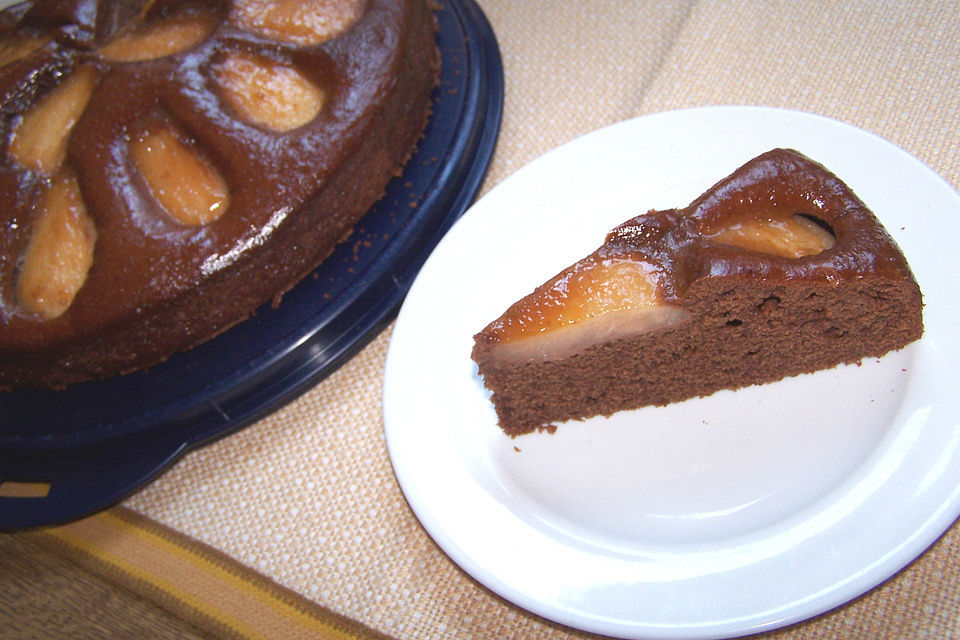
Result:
[[777, 270]]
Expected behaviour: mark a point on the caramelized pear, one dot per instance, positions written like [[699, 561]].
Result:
[[268, 94], [60, 252], [180, 178], [302, 22], [40, 140]]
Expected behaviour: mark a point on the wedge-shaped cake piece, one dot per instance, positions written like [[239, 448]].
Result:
[[777, 270]]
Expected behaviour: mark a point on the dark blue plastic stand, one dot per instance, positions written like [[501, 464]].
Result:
[[97, 442]]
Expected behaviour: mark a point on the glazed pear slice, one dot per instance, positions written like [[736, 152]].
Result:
[[787, 236], [301, 22], [60, 252], [273, 96], [181, 178], [174, 34], [597, 299], [40, 139]]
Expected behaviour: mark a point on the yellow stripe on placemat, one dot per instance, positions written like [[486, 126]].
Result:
[[194, 581]]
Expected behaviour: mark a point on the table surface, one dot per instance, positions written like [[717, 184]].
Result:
[[301, 510]]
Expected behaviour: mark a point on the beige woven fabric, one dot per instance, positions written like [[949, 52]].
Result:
[[307, 496]]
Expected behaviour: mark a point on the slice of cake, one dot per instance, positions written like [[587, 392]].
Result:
[[777, 270]]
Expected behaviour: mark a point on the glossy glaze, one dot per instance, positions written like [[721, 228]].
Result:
[[155, 68], [779, 216]]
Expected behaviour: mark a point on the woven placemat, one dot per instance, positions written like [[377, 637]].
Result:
[[307, 497]]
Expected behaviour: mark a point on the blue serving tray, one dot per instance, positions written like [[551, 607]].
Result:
[[95, 443]]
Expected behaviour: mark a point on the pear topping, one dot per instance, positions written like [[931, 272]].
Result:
[[40, 139], [180, 178], [300, 22], [268, 94], [60, 252]]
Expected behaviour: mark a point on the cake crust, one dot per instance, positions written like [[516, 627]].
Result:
[[743, 316], [157, 286]]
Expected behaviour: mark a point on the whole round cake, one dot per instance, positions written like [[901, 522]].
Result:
[[169, 166]]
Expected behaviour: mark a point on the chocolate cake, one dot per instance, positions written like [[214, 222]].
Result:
[[777, 270], [167, 166]]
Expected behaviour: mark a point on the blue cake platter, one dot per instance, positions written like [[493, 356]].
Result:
[[95, 443]]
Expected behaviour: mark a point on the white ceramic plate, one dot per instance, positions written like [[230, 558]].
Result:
[[715, 517]]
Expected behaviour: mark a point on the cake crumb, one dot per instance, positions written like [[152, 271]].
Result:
[[516, 448]]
